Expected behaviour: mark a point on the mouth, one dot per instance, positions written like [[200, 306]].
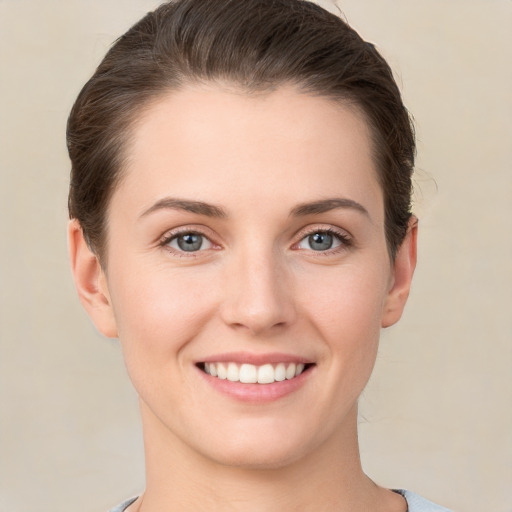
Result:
[[254, 374]]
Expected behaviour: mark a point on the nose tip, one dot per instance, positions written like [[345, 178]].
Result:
[[258, 317], [256, 323], [257, 298]]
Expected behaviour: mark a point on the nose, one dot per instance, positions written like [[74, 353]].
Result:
[[258, 293]]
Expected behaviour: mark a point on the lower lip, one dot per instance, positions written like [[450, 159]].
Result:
[[257, 393]]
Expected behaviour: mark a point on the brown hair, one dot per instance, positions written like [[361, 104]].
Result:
[[255, 45]]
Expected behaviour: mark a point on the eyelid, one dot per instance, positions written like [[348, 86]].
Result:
[[174, 243], [314, 228], [193, 229], [343, 235]]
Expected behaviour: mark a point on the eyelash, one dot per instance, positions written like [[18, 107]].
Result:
[[169, 237], [344, 239]]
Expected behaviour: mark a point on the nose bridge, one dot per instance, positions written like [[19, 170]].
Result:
[[256, 293]]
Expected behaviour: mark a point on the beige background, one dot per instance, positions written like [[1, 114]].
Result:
[[436, 417]]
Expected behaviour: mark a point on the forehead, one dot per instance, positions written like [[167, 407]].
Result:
[[201, 142]]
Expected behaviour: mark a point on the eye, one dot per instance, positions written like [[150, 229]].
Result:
[[323, 240], [189, 242]]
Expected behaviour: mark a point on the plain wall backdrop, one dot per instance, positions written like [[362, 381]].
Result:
[[436, 417]]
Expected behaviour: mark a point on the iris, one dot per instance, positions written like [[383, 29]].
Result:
[[320, 241], [190, 242]]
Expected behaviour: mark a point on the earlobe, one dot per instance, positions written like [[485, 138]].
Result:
[[403, 270], [90, 281]]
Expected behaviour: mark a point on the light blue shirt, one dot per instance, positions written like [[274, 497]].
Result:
[[415, 503]]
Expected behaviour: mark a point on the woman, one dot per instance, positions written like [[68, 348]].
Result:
[[240, 220]]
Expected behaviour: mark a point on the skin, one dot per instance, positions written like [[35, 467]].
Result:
[[256, 286]]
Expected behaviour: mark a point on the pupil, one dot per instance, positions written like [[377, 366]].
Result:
[[190, 242], [320, 241]]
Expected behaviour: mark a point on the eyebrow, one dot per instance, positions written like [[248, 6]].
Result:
[[171, 203], [210, 210], [326, 205]]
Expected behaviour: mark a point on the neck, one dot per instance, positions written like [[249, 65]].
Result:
[[328, 478]]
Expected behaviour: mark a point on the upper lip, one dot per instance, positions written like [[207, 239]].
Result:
[[255, 359]]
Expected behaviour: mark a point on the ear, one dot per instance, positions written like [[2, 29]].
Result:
[[403, 270], [90, 281]]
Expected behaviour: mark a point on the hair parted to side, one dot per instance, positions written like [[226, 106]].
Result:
[[256, 45]]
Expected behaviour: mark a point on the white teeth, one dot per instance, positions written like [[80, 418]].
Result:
[[222, 371], [280, 372], [233, 372], [251, 374], [248, 374], [266, 374], [290, 371]]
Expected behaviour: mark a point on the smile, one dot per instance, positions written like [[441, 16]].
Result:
[[252, 374]]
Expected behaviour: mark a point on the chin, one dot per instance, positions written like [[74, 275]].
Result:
[[258, 452], [257, 459]]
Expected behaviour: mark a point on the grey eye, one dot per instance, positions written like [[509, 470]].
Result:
[[320, 241], [190, 242]]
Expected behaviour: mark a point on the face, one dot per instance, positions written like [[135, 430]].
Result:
[[247, 272]]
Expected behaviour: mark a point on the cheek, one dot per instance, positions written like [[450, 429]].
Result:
[[347, 316], [157, 314], [350, 301]]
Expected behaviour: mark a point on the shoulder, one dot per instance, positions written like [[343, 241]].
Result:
[[418, 504], [123, 506]]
